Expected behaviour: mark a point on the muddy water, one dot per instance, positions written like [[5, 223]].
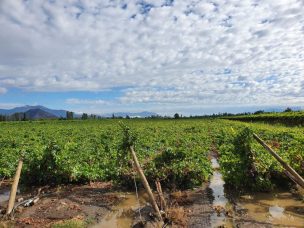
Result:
[[220, 202], [122, 215], [279, 208], [4, 196]]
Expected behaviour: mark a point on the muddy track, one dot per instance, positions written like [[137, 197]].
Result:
[[200, 211]]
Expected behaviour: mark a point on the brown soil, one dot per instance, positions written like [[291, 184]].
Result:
[[92, 202], [200, 210], [84, 202], [196, 205]]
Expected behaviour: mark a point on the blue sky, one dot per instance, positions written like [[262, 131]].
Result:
[[165, 56]]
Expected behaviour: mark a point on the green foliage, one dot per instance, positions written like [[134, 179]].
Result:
[[238, 163], [183, 164], [288, 117], [246, 165], [79, 151], [176, 152], [72, 223]]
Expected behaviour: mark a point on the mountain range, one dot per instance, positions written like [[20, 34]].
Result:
[[41, 112], [36, 114], [57, 113]]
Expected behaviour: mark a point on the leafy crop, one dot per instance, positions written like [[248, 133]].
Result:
[[174, 151], [285, 118], [79, 151], [245, 164]]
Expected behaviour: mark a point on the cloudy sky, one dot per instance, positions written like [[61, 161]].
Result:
[[162, 55]]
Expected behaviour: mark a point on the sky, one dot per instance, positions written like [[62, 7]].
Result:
[[166, 56]]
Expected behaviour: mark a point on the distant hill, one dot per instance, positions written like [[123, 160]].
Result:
[[36, 114], [57, 113], [130, 114], [54, 113]]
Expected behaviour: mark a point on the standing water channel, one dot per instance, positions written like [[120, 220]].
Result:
[[218, 217]]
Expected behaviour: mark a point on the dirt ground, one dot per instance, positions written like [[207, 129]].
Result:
[[197, 205], [91, 202], [88, 203]]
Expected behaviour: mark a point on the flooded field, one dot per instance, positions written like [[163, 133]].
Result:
[[279, 208], [276, 209]]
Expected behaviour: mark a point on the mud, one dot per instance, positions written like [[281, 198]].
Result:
[[199, 207], [100, 205], [83, 202], [123, 214]]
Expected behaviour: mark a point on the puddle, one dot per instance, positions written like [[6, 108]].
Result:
[[122, 215], [220, 201], [214, 163], [279, 208], [276, 211], [4, 196]]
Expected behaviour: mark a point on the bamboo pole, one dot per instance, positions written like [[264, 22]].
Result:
[[145, 183], [13, 192], [295, 175]]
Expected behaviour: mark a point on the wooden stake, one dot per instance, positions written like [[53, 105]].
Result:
[[145, 183], [160, 201], [161, 195], [14, 188], [296, 176], [1, 181]]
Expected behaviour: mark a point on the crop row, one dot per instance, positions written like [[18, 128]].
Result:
[[247, 165], [174, 151], [79, 151], [285, 118]]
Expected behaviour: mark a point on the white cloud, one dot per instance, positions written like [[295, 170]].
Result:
[[3, 90], [172, 54], [75, 101], [9, 105]]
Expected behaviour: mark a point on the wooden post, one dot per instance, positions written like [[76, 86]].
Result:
[[296, 176], [14, 188], [145, 183], [162, 200], [1, 181]]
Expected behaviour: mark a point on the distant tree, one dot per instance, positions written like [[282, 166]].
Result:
[[176, 116], [24, 118], [127, 117], [2, 118], [84, 116], [113, 116], [18, 116], [288, 110], [259, 112], [69, 115]]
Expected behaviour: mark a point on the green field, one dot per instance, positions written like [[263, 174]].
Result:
[[175, 151], [285, 118]]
